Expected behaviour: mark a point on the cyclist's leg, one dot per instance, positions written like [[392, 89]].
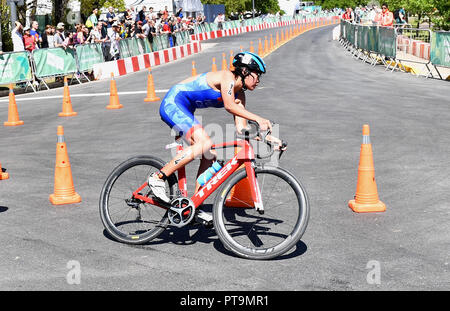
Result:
[[200, 145]]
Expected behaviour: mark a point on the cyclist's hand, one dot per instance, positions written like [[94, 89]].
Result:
[[276, 142], [264, 124]]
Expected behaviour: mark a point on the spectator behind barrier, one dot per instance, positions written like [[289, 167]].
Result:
[[387, 18], [34, 32], [29, 41], [92, 20], [59, 36], [17, 38]]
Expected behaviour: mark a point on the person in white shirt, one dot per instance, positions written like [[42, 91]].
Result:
[[17, 39]]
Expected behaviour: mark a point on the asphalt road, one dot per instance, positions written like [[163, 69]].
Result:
[[321, 97]]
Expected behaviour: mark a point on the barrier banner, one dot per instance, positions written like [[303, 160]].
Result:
[[372, 40], [350, 33], [14, 67], [88, 55], [440, 49], [363, 37], [387, 41], [54, 62], [125, 48]]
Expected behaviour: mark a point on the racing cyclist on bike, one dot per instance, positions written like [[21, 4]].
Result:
[[221, 89]]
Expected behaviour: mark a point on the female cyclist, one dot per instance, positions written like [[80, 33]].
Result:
[[221, 89]]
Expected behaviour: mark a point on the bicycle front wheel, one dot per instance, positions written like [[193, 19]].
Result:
[[252, 235], [125, 218]]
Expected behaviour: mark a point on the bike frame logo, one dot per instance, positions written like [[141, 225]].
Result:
[[218, 134]]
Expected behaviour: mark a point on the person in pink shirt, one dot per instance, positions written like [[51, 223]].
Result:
[[29, 41], [387, 17]]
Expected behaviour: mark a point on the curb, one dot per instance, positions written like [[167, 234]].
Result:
[[132, 64]]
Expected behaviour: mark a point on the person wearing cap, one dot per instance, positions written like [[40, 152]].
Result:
[[115, 38], [59, 37], [29, 41]]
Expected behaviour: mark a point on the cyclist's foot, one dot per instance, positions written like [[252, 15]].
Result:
[[158, 188], [204, 218]]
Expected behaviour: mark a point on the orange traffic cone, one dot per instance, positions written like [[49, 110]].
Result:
[[194, 70], [260, 49], [113, 97], [224, 62], [214, 66], [266, 46], [3, 174], [67, 103], [366, 198], [271, 43], [240, 194], [13, 114], [231, 61], [277, 40], [64, 191], [151, 96], [282, 36], [252, 49]]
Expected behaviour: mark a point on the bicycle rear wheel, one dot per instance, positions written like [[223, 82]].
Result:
[[251, 235], [125, 218]]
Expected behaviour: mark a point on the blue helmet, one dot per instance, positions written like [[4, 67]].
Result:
[[250, 60]]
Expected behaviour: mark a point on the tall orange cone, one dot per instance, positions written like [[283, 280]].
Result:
[[151, 96], [260, 48], [64, 190], [224, 62], [67, 110], [366, 198], [194, 70], [271, 43], [240, 194], [3, 174], [214, 66], [113, 97], [277, 40], [231, 61], [266, 46], [252, 49], [13, 114]]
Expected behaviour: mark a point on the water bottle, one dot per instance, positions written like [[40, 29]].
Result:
[[206, 175]]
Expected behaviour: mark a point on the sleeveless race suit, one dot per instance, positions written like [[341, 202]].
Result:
[[178, 106]]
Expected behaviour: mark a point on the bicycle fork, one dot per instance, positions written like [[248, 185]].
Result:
[[254, 186]]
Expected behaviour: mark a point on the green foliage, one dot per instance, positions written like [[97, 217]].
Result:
[[7, 44], [264, 6], [441, 16], [331, 4], [88, 5]]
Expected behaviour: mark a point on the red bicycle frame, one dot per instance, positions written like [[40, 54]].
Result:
[[245, 156]]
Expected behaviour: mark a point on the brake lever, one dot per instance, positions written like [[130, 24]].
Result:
[[283, 146]]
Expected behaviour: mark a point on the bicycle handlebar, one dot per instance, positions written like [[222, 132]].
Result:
[[250, 134]]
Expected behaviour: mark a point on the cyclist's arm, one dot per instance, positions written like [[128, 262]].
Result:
[[230, 105]]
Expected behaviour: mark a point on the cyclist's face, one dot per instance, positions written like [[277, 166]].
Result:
[[252, 80]]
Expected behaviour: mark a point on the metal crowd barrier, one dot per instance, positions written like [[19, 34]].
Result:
[[393, 46]]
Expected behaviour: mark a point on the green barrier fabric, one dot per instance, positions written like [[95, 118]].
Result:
[[54, 61], [125, 48], [88, 55], [362, 35], [14, 67], [440, 49], [372, 42], [387, 41], [350, 33]]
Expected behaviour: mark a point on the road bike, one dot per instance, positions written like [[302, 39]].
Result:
[[265, 225]]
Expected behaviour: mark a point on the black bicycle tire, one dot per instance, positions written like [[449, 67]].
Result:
[[282, 248], [103, 202]]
